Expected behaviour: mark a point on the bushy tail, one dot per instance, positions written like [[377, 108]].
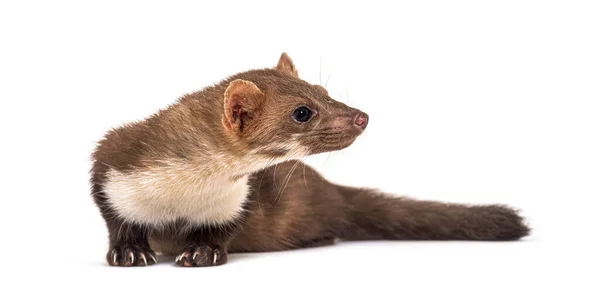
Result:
[[374, 215]]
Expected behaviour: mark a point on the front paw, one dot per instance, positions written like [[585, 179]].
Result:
[[130, 255], [201, 255]]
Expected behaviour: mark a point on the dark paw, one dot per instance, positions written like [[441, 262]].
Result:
[[201, 256], [129, 255]]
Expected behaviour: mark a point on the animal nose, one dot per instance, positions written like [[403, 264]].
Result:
[[361, 120]]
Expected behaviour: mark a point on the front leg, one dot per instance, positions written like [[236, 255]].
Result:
[[128, 245], [206, 246]]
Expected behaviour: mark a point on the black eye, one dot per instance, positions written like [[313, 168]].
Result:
[[302, 114]]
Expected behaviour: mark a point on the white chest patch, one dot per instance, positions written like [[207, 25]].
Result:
[[169, 192]]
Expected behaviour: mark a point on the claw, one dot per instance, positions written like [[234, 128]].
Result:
[[143, 258], [180, 257], [131, 257], [215, 256], [114, 256], [153, 258]]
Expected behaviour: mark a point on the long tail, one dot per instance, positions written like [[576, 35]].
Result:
[[374, 215]]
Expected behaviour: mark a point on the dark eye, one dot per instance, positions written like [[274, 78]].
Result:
[[302, 114]]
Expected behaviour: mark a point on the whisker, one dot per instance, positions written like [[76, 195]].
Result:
[[347, 96], [327, 159], [304, 173], [275, 175], [260, 184], [286, 182], [320, 70]]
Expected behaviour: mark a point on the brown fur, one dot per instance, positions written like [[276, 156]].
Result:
[[237, 129], [292, 206], [308, 209]]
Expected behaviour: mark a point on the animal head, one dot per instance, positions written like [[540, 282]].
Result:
[[277, 114]]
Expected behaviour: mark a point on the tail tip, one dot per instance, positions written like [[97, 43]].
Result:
[[507, 222]]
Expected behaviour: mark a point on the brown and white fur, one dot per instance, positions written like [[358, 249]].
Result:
[[198, 179]]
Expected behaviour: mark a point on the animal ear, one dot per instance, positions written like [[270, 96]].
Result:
[[286, 65], [242, 100]]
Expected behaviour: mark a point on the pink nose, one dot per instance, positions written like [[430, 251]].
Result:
[[361, 120]]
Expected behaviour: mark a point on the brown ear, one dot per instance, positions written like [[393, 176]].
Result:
[[241, 101], [286, 65]]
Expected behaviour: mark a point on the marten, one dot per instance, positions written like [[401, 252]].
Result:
[[219, 171]]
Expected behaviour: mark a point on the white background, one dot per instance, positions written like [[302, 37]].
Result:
[[470, 101]]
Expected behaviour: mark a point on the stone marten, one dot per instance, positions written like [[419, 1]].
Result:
[[217, 172]]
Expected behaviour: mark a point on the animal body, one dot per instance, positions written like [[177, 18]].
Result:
[[216, 172]]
